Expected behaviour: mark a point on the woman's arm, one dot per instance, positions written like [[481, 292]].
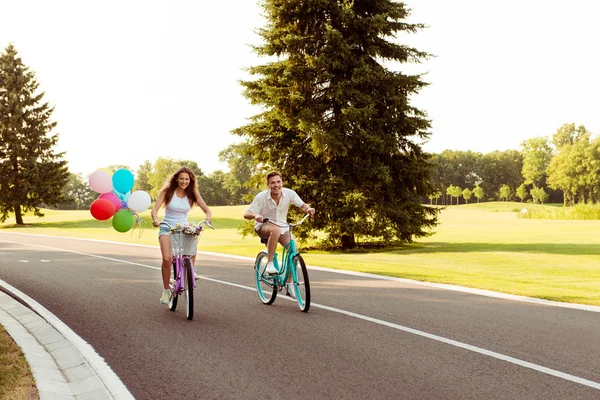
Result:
[[203, 206], [154, 212]]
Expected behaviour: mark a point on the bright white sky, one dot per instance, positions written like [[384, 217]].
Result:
[[137, 80]]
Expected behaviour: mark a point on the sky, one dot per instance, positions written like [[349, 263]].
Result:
[[136, 80]]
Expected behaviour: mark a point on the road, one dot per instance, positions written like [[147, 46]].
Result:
[[364, 338]]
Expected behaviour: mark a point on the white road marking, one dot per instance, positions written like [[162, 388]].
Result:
[[465, 346], [444, 286], [23, 261]]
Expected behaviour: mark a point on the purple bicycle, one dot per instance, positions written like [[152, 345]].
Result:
[[184, 243]]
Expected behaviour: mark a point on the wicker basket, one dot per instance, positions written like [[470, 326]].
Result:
[[183, 244]]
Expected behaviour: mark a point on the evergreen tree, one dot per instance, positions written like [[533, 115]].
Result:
[[32, 175], [337, 122]]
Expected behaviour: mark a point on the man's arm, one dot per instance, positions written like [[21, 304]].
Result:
[[308, 209]]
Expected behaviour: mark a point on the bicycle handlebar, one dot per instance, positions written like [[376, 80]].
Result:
[[203, 222], [285, 224]]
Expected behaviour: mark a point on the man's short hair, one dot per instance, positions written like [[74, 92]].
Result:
[[272, 174]]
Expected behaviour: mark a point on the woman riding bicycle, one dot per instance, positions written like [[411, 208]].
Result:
[[178, 195], [274, 204]]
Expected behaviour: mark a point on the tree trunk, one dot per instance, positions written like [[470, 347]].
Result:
[[348, 242], [18, 215]]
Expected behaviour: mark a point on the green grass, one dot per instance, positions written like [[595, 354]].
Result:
[[476, 245]]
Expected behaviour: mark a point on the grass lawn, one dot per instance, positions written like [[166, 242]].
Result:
[[16, 380], [477, 245]]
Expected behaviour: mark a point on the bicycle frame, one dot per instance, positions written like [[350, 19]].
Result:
[[287, 254], [179, 256]]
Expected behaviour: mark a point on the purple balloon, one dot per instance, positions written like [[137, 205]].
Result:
[[113, 199]]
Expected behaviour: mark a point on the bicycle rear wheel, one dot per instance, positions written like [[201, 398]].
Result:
[[189, 288], [267, 292], [301, 283], [173, 301]]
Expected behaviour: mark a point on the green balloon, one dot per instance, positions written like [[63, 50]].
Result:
[[123, 220]]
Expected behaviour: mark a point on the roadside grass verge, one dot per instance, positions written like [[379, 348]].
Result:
[[577, 212], [16, 380], [483, 246]]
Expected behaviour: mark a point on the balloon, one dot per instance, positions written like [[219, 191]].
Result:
[[112, 198], [123, 220], [108, 171], [139, 201], [100, 181], [102, 209], [122, 180]]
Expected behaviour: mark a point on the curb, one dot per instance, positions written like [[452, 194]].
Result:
[[63, 365]]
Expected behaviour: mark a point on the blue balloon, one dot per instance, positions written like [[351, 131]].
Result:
[[122, 180]]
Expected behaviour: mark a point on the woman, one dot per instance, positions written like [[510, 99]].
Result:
[[179, 194]]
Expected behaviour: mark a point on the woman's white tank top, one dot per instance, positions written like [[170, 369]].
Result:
[[177, 210]]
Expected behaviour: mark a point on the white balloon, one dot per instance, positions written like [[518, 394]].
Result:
[[100, 181], [139, 201]]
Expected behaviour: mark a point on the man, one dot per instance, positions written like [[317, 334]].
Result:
[[274, 204]]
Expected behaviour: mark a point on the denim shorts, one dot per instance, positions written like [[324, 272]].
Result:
[[164, 230]]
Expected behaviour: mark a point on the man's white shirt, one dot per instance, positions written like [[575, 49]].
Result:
[[264, 205]]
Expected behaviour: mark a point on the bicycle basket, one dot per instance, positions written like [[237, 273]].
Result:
[[183, 244]]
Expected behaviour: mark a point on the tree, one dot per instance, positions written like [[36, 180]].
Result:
[[337, 122], [32, 174], [568, 134], [539, 195], [522, 192], [453, 191], [478, 192], [77, 193], [212, 189], [505, 192], [163, 168], [142, 180], [466, 194], [500, 168], [241, 169], [537, 154]]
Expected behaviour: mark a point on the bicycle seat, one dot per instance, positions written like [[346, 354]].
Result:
[[264, 241]]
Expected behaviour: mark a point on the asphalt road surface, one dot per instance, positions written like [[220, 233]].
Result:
[[363, 338]]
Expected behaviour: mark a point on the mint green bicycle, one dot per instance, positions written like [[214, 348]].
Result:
[[292, 263]]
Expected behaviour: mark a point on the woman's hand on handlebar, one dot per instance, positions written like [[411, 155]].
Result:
[[258, 218], [155, 223]]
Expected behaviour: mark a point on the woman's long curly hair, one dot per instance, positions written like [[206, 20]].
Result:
[[171, 184]]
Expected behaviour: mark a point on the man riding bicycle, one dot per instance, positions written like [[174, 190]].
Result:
[[274, 204]]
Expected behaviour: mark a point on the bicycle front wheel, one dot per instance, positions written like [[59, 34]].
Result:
[[172, 284], [267, 291], [301, 283], [189, 288]]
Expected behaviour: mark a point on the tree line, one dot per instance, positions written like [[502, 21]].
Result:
[[563, 167], [336, 120]]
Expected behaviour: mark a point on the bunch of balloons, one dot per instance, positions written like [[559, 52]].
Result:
[[116, 199]]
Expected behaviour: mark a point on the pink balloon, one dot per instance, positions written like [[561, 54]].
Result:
[[100, 181], [112, 198]]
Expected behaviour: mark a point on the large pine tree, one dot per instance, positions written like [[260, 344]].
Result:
[[337, 122], [32, 174]]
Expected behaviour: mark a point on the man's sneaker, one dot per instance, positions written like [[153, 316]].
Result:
[[291, 290], [270, 268], [166, 296]]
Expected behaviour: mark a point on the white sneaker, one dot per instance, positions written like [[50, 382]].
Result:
[[270, 269], [166, 296], [291, 290]]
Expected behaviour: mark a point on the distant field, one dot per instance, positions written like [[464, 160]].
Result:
[[477, 245]]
